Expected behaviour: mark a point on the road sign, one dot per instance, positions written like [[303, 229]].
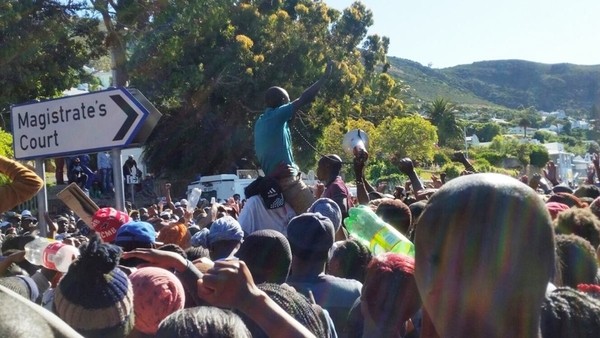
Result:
[[77, 124]]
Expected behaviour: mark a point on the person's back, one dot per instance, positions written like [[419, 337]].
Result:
[[272, 138], [484, 256], [334, 294], [273, 141], [311, 236]]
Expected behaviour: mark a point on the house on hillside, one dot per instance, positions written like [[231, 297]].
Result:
[[580, 165], [580, 124], [472, 140], [499, 121], [562, 159], [521, 131]]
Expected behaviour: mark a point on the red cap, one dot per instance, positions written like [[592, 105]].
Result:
[[106, 222]]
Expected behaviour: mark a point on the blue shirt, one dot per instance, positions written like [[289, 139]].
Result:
[[272, 138], [104, 161]]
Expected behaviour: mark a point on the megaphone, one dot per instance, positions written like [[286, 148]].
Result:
[[355, 142]]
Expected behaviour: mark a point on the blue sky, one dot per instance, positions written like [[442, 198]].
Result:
[[446, 33]]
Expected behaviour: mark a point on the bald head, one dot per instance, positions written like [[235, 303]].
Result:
[[484, 247], [276, 96]]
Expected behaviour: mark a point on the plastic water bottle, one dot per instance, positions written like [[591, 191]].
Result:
[[193, 198], [35, 249], [51, 254], [363, 224]]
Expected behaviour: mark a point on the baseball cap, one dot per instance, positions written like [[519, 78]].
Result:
[[328, 208], [26, 215], [136, 232], [310, 233], [106, 222]]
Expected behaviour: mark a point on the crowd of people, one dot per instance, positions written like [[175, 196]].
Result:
[[495, 256]]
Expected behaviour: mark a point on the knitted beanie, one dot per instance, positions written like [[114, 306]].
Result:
[[268, 255], [157, 294], [106, 222], [95, 297]]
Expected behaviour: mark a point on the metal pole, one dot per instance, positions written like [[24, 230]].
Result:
[[118, 179], [42, 197], [466, 143], [132, 192]]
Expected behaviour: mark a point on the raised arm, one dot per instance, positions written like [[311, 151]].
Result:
[[230, 284], [407, 167], [362, 186], [311, 92], [25, 184], [459, 156]]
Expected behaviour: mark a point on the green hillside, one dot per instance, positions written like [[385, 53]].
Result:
[[510, 83]]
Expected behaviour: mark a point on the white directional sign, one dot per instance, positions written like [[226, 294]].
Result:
[[76, 124]]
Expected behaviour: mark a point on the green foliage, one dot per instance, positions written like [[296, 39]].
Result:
[[6, 140], [544, 136], [331, 141], [442, 115], [509, 83], [206, 65], [441, 158], [6, 150], [522, 152], [482, 165], [538, 155], [378, 170], [492, 157], [526, 153], [44, 48], [452, 170], [487, 131], [593, 147], [411, 136]]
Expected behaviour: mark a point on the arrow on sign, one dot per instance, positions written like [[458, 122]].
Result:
[[131, 116]]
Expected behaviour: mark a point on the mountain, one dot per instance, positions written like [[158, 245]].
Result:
[[509, 83]]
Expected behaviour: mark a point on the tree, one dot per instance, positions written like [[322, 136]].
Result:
[[45, 45], [487, 131], [524, 123], [544, 136], [411, 136], [441, 113], [538, 155], [206, 65], [124, 20], [331, 142], [552, 121]]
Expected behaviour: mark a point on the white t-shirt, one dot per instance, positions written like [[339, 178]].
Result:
[[254, 216]]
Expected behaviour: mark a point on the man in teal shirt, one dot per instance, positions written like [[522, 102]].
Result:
[[273, 141]]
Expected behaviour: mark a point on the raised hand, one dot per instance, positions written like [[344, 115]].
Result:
[[359, 162], [228, 284], [524, 179], [591, 174], [406, 166], [550, 173], [159, 258], [534, 182]]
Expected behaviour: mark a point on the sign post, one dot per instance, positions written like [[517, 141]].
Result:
[[92, 122]]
